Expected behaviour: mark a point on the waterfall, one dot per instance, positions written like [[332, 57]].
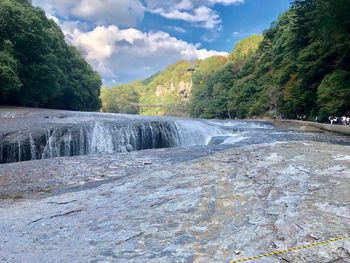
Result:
[[106, 137], [191, 132], [101, 140], [33, 152]]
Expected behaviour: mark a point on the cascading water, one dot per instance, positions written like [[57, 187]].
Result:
[[33, 151], [27, 134], [101, 140], [101, 137], [191, 132]]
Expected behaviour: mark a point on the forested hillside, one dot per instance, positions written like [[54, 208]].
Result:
[[300, 68], [37, 67], [165, 93], [124, 99], [212, 86]]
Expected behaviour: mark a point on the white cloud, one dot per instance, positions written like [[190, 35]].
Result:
[[202, 16], [55, 7], [198, 12], [130, 12], [177, 29], [122, 55], [128, 54], [227, 2], [119, 12]]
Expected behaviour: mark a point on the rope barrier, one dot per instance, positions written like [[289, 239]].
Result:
[[279, 252]]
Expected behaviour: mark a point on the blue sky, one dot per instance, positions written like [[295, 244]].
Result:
[[126, 40]]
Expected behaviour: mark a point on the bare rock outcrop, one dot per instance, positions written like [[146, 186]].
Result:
[[251, 200]]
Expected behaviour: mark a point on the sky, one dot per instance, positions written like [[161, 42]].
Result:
[[127, 40]]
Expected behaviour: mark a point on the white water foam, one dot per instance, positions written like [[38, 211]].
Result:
[[243, 125]]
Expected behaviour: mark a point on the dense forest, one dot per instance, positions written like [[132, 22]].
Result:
[[301, 68], [166, 93], [37, 67]]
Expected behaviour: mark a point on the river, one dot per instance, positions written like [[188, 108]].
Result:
[[31, 134]]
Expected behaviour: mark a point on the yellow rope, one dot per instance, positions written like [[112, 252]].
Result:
[[279, 252]]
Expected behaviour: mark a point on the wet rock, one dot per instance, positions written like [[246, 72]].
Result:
[[194, 209], [31, 134]]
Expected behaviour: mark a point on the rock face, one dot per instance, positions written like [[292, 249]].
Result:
[[182, 90], [178, 205]]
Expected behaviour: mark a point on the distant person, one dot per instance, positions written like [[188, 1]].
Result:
[[343, 120], [334, 120]]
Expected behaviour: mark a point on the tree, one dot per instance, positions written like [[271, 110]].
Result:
[[333, 95], [121, 99], [48, 72], [246, 48], [9, 80]]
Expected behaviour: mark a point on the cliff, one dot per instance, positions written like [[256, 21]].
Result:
[[166, 93]]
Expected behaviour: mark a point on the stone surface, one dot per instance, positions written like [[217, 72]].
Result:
[[185, 205]]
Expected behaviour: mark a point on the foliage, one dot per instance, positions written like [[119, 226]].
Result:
[[165, 93], [333, 95], [121, 99], [161, 93], [9, 80], [210, 92], [301, 67], [212, 84], [37, 67], [245, 48]]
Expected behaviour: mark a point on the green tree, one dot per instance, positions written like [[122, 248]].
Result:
[[212, 95], [51, 73], [246, 48], [9, 80], [333, 95], [121, 99]]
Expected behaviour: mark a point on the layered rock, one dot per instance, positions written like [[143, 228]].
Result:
[[173, 205]]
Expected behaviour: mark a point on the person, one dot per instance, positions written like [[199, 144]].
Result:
[[330, 119], [336, 120], [348, 120], [343, 120]]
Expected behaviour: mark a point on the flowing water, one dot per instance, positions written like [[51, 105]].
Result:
[[93, 133]]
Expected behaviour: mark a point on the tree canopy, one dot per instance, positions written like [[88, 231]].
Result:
[[301, 67], [37, 67], [122, 99]]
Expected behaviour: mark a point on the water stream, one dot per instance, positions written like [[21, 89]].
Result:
[[101, 137], [124, 134]]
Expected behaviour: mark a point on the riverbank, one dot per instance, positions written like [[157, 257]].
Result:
[[312, 126], [170, 205]]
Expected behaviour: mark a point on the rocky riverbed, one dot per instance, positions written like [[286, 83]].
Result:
[[184, 204]]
